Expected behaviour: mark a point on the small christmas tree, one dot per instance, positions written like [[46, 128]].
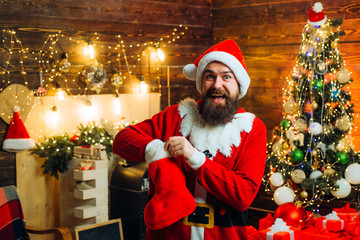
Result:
[[311, 158]]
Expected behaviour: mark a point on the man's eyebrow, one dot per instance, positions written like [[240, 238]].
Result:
[[210, 71]]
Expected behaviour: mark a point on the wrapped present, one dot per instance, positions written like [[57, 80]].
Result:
[[347, 213], [312, 233], [280, 231], [330, 222], [310, 220], [266, 222], [353, 229], [252, 233]]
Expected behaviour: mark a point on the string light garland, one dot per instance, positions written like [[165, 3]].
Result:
[[312, 147], [13, 46], [55, 69]]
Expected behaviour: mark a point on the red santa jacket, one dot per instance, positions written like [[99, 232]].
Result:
[[227, 182]]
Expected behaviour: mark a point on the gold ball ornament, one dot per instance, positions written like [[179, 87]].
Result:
[[277, 148], [285, 145], [327, 128], [329, 171], [314, 105], [343, 145], [290, 106], [343, 75], [314, 153], [300, 124], [334, 45], [343, 123], [298, 176], [304, 194]]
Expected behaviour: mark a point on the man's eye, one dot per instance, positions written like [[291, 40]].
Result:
[[210, 76], [227, 77]]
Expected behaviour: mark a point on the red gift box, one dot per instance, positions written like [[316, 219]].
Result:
[[353, 230], [283, 232], [312, 233], [330, 222], [266, 222], [310, 220], [347, 213]]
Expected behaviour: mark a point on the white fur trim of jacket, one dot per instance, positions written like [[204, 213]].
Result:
[[212, 138]]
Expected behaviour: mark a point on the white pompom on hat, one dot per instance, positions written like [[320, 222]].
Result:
[[226, 52], [316, 15], [17, 138]]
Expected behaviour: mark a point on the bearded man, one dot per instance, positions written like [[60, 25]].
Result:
[[205, 159]]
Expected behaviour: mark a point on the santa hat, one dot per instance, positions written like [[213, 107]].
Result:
[[227, 52], [316, 15], [17, 138]]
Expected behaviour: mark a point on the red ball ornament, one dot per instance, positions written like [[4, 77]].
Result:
[[293, 216]]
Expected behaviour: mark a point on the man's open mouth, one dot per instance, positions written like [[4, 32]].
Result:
[[217, 98]]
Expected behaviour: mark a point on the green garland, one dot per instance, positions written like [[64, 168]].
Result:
[[92, 134], [58, 150]]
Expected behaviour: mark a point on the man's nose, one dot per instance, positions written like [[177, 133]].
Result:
[[217, 83]]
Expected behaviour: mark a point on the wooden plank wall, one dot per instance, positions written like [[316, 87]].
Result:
[[137, 21], [269, 34]]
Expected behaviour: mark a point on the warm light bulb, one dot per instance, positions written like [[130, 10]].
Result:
[[89, 50], [52, 118], [160, 54], [143, 87], [64, 64], [60, 94]]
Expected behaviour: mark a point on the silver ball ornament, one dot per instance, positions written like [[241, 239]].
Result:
[[344, 189], [315, 174], [276, 179], [352, 173], [315, 128]]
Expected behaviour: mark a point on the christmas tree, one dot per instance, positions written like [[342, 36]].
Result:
[[311, 158]]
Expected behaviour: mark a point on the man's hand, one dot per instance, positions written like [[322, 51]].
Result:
[[179, 146]]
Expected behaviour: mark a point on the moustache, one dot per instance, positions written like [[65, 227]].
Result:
[[217, 93]]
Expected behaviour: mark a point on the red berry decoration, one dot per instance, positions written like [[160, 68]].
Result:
[[293, 216], [82, 168], [91, 168], [74, 138]]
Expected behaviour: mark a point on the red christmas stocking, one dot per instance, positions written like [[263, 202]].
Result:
[[172, 200]]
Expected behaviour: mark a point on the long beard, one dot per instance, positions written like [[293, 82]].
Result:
[[216, 114]]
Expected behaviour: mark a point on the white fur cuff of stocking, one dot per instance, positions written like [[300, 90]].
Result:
[[155, 150], [196, 160]]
